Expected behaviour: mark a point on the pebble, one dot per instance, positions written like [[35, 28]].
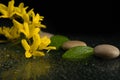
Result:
[[49, 35], [106, 51], [73, 43]]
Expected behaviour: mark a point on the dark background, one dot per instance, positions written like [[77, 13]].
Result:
[[76, 17]]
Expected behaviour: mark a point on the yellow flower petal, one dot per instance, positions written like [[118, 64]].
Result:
[[36, 18], [30, 12], [3, 10], [14, 32], [21, 5], [36, 42], [6, 32], [42, 26], [4, 14], [50, 48], [17, 24], [28, 54], [10, 7], [38, 53], [22, 28], [33, 31], [2, 6], [26, 18], [45, 41], [26, 29], [25, 45]]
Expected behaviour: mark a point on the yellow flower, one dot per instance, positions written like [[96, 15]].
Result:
[[35, 49], [6, 32], [36, 19], [10, 33], [27, 29], [7, 12], [31, 21], [22, 28], [21, 12], [10, 10], [31, 50], [30, 27], [45, 41], [29, 53]]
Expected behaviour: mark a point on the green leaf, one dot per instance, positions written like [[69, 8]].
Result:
[[58, 40], [78, 53]]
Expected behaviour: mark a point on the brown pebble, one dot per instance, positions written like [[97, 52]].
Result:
[[106, 51], [73, 43], [49, 35]]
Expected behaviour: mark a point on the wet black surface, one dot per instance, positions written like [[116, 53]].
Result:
[[91, 69], [94, 69]]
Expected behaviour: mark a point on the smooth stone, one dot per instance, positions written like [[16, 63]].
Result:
[[106, 51], [49, 35], [73, 43]]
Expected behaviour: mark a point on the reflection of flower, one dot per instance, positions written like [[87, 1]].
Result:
[[38, 44], [27, 70], [29, 27]]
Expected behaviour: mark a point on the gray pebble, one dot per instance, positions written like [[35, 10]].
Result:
[[49, 35], [106, 51], [73, 43]]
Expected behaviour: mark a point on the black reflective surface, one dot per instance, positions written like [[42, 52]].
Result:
[[93, 68]]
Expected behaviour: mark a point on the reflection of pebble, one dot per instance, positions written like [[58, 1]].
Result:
[[49, 35], [70, 44], [106, 51]]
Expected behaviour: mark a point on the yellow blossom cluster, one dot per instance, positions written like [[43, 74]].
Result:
[[29, 28]]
